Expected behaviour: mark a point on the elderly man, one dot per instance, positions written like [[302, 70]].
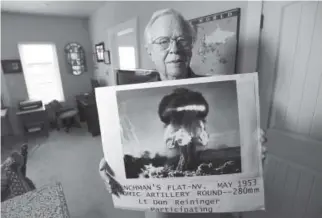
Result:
[[169, 40]]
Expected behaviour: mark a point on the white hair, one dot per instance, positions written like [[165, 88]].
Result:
[[163, 12]]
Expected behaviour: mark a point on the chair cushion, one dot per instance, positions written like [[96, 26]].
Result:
[[68, 114]]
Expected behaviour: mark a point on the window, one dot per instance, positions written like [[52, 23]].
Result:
[[41, 72]]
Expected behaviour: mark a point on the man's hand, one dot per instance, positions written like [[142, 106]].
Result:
[[263, 140], [107, 174]]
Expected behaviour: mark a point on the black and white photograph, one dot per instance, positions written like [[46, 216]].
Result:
[[161, 109], [180, 131], [193, 138]]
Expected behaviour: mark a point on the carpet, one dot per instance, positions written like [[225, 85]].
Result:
[[72, 159]]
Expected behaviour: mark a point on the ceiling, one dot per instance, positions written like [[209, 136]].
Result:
[[58, 8]]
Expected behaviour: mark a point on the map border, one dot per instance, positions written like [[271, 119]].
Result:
[[219, 16]]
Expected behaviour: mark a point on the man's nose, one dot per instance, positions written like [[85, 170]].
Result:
[[173, 48]]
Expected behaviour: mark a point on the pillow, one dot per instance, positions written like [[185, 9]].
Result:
[[13, 181]]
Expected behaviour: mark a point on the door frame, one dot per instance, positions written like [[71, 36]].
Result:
[[111, 33], [267, 56]]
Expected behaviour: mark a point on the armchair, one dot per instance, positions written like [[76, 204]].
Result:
[[14, 181], [60, 116]]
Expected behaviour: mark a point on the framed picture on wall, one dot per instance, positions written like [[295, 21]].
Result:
[[99, 50], [102, 55], [11, 66], [216, 47], [107, 57]]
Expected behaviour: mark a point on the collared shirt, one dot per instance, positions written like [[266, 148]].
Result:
[[191, 74], [125, 77]]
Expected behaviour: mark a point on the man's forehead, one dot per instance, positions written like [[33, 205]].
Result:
[[168, 25]]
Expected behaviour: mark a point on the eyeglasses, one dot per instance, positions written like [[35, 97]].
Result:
[[164, 42]]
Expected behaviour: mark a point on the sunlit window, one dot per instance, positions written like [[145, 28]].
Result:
[[41, 72], [127, 58]]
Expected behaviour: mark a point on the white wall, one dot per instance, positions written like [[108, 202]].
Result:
[[19, 28], [113, 13]]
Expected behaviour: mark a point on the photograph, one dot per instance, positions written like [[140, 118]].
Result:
[[11, 66], [180, 131]]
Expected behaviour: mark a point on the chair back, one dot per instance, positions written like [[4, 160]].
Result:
[[52, 109], [124, 77]]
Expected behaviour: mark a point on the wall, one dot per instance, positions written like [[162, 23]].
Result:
[[113, 13], [6, 129], [19, 28]]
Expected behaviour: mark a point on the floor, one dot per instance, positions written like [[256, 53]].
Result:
[[11, 143], [72, 159]]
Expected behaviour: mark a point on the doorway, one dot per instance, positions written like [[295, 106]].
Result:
[[124, 41]]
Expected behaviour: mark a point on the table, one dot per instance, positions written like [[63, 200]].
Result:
[[46, 201], [34, 121]]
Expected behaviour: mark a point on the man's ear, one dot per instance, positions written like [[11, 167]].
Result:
[[148, 49]]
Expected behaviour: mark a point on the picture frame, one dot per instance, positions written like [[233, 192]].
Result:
[[108, 57], [102, 55], [141, 163], [215, 51], [75, 57], [11, 66], [99, 51]]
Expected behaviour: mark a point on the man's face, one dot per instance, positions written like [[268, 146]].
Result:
[[171, 57]]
